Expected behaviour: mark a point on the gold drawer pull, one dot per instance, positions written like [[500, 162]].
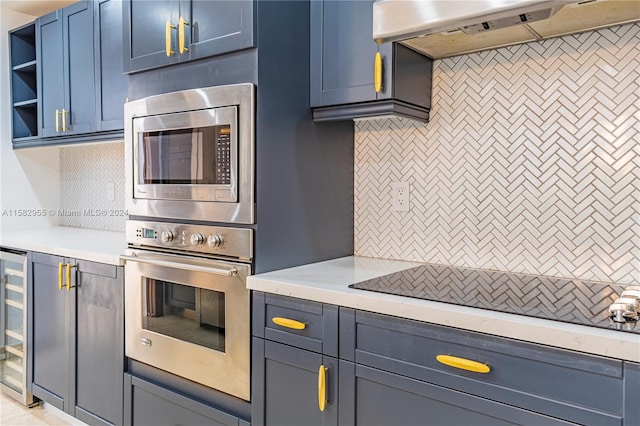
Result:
[[288, 323], [60, 267], [167, 37], [377, 73], [463, 364], [181, 43], [69, 286], [322, 387], [64, 120]]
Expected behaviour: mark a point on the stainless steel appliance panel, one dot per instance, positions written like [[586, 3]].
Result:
[[232, 202], [191, 317]]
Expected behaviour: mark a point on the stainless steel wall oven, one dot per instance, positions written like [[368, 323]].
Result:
[[188, 313], [190, 181]]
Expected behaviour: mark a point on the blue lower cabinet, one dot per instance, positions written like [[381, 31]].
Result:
[[287, 388], [146, 403], [575, 387], [631, 394], [395, 371], [77, 339], [370, 397]]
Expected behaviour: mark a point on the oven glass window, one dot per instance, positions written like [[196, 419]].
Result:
[[194, 315], [199, 156]]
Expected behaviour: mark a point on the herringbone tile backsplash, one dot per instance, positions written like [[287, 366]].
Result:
[[85, 172], [530, 163]]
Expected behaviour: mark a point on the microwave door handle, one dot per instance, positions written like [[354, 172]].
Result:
[[231, 272]]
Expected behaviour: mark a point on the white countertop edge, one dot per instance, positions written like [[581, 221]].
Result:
[[79, 243], [592, 340]]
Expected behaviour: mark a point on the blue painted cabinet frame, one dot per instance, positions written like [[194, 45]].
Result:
[[77, 340], [210, 28]]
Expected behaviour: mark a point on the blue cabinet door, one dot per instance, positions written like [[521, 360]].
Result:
[[111, 83], [98, 329], [285, 386], [342, 52], [50, 354], [146, 30], [79, 82], [216, 27], [196, 29], [50, 73], [369, 396], [66, 72]]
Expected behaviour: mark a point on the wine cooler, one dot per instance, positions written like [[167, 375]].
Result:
[[13, 326]]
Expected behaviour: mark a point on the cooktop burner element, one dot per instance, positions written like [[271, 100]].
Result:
[[573, 301]]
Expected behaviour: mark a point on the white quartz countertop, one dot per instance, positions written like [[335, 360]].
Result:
[[328, 282], [79, 243]]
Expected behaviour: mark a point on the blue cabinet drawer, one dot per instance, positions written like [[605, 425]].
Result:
[[301, 323], [568, 385]]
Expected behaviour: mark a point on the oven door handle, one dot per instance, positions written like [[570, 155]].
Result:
[[231, 272]]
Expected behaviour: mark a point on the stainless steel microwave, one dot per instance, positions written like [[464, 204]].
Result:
[[190, 155]]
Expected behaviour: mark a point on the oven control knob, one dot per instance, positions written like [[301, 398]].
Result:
[[166, 236], [215, 240], [197, 239]]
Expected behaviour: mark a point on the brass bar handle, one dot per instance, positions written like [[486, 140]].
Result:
[[64, 120], [377, 73], [463, 364], [69, 286], [60, 266], [181, 43], [322, 387], [288, 323], [57, 120], [168, 28]]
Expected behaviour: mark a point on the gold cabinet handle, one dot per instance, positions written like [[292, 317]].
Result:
[[377, 73], [60, 266], [322, 387], [463, 364], [57, 120], [181, 45], [69, 286], [168, 28], [288, 323], [64, 120]]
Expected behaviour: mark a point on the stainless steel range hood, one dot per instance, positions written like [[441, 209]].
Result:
[[443, 28]]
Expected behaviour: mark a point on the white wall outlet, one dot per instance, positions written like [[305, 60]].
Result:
[[111, 191], [400, 196]]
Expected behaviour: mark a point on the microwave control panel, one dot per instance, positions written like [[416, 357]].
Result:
[[223, 156]]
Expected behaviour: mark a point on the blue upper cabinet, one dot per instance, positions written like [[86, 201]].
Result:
[[111, 90], [343, 52], [66, 71], [161, 33], [81, 84], [351, 76]]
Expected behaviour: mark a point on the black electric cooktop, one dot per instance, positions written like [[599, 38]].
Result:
[[572, 301]]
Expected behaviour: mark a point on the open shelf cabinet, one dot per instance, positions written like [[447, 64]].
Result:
[[24, 87]]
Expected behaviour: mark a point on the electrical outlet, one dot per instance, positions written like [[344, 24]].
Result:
[[400, 196], [111, 191]]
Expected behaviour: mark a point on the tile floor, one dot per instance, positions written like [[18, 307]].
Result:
[[14, 414]]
